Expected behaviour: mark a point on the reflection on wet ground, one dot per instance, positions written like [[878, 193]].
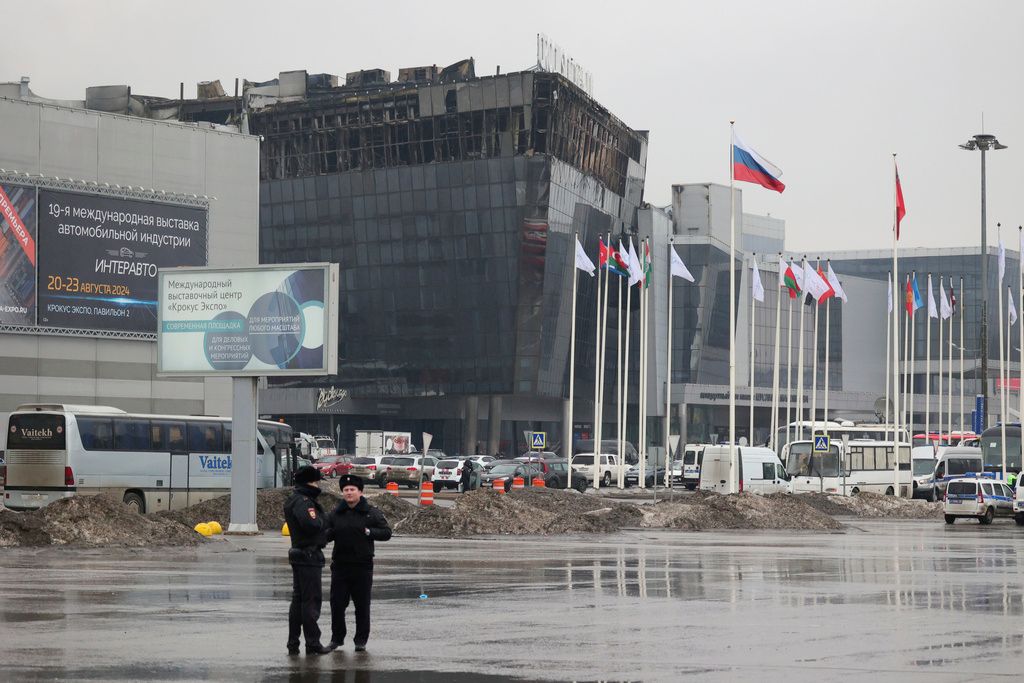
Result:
[[891, 599]]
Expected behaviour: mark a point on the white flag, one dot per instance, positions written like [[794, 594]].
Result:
[[635, 273], [583, 261], [933, 311], [798, 275], [756, 286], [782, 272], [833, 280], [679, 268], [944, 307], [815, 285], [1012, 309], [889, 297], [1002, 260]]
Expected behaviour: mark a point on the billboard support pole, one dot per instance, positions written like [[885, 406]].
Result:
[[243, 456]]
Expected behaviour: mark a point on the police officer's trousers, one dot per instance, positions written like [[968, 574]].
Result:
[[351, 582], [304, 611]]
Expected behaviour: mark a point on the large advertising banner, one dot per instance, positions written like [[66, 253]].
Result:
[[17, 255], [272, 320], [99, 256]]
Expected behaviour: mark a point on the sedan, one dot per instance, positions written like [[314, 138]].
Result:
[[333, 466], [506, 472], [652, 474]]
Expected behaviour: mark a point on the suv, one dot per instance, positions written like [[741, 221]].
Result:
[[366, 466], [410, 470], [448, 474], [584, 462], [981, 498], [558, 473]]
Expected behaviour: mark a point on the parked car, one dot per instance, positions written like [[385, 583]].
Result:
[[653, 473], [506, 471], [448, 474], [333, 466], [366, 466], [922, 465], [410, 470], [382, 469], [982, 498], [558, 473], [609, 466], [482, 461]]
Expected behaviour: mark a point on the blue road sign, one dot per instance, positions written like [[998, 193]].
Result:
[[821, 444], [538, 440]]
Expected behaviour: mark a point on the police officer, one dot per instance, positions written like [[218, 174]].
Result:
[[306, 525], [353, 526], [467, 475]]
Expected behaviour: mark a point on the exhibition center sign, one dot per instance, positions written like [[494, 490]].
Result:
[[267, 320]]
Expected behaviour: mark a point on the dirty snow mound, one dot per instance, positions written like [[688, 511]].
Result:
[[873, 505], [101, 520], [737, 511]]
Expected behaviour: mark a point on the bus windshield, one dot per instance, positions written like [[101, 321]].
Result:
[[992, 452], [803, 463]]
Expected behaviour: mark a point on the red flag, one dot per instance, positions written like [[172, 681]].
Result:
[[830, 292], [909, 303], [603, 253], [901, 208]]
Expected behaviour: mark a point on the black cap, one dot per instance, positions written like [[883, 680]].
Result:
[[350, 480], [307, 474]]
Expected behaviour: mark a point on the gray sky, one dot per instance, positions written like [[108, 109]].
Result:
[[826, 90]]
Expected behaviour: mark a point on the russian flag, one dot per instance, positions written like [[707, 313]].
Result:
[[749, 166]]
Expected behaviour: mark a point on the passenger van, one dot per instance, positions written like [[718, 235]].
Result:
[[953, 463], [846, 470], [761, 471], [686, 466]]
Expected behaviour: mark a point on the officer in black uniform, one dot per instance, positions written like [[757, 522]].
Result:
[[353, 526], [306, 524]]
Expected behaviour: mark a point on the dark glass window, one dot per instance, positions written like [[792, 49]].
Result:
[[132, 435], [168, 436], [97, 433]]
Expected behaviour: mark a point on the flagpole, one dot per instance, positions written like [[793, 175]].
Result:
[[814, 366], [928, 364], [828, 311], [567, 445], [888, 358], [800, 361], [773, 436], [597, 381], [906, 358], [604, 343], [789, 372], [642, 413], [618, 377], [733, 467], [895, 334], [1002, 370], [949, 378], [626, 381], [913, 358], [753, 307], [1020, 302], [961, 302], [668, 382], [940, 364]]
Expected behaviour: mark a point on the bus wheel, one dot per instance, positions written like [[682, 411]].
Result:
[[889, 491], [135, 502]]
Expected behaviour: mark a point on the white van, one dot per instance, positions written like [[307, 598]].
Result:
[[953, 463], [761, 471]]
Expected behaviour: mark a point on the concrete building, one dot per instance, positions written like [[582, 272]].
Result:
[[104, 199]]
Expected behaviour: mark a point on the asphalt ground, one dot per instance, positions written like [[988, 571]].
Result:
[[893, 600]]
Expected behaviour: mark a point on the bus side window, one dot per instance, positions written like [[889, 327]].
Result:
[[226, 426], [168, 436], [132, 435], [204, 437], [97, 433], [856, 456]]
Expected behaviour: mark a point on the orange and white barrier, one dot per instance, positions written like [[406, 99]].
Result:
[[392, 488], [498, 486], [538, 482], [518, 483], [426, 493]]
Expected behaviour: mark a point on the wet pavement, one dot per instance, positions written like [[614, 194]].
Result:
[[905, 600]]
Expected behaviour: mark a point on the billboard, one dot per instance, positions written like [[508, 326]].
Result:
[[17, 255], [99, 256], [270, 320]]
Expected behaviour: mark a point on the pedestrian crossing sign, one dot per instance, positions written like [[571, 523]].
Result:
[[538, 440], [821, 444]]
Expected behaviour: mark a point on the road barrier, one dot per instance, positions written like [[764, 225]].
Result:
[[518, 483], [498, 486], [392, 488], [203, 528], [538, 482], [426, 493]]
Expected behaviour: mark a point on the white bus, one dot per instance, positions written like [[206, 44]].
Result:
[[866, 466], [151, 462], [873, 431]]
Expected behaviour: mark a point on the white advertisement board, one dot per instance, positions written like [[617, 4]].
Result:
[[269, 320]]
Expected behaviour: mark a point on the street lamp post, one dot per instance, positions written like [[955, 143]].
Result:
[[983, 142]]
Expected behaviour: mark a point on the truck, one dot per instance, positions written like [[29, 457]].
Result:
[[372, 442]]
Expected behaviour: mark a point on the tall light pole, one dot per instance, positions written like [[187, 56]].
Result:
[[983, 142]]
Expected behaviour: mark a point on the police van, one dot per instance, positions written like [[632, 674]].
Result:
[[980, 496]]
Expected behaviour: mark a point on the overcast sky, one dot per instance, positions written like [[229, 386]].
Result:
[[828, 91]]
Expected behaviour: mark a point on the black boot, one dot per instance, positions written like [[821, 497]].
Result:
[[317, 649]]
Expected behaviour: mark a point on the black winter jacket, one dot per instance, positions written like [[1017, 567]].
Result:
[[347, 527], [306, 524]]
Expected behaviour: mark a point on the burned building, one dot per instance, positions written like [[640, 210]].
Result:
[[450, 201]]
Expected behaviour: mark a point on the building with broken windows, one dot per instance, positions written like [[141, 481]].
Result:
[[450, 201]]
